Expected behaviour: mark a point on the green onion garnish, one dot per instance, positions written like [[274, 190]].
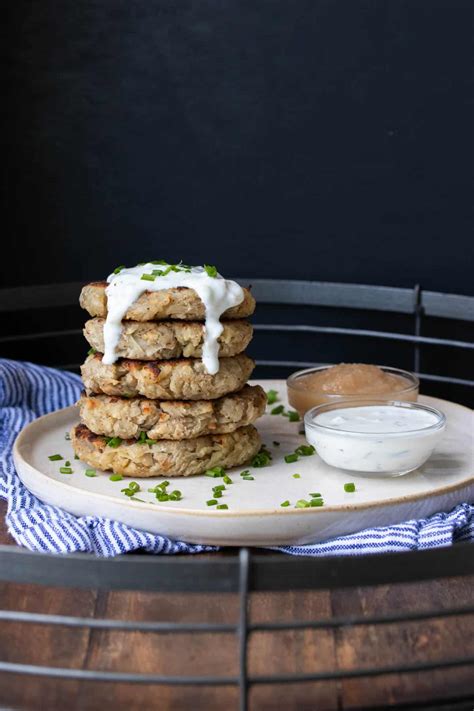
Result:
[[115, 477], [175, 495], [114, 442], [117, 270], [162, 496], [210, 270], [211, 502], [290, 458], [278, 410], [90, 472], [272, 396], [150, 441], [315, 494], [261, 459], [91, 351], [67, 463], [292, 416], [222, 506], [296, 476], [217, 494], [245, 473], [131, 489], [215, 472], [142, 438], [248, 478], [220, 487], [350, 487], [302, 504], [285, 503], [227, 480], [76, 457], [305, 450], [65, 470], [135, 498], [316, 502], [147, 277], [55, 457]]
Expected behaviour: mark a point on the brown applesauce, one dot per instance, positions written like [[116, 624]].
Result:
[[315, 386]]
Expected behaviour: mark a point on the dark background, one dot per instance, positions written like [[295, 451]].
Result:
[[316, 139], [322, 139]]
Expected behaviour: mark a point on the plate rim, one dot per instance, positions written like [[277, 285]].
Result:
[[228, 513]]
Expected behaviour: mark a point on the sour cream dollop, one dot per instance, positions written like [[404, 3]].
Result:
[[392, 439], [125, 287]]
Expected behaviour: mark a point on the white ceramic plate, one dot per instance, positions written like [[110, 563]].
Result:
[[254, 516]]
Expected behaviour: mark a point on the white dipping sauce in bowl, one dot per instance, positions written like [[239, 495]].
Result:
[[377, 437]]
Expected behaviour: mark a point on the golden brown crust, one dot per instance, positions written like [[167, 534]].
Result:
[[179, 303], [171, 419], [166, 458], [183, 379], [163, 340]]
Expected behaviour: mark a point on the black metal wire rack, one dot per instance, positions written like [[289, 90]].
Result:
[[244, 571]]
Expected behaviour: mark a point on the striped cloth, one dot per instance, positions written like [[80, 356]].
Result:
[[28, 391]]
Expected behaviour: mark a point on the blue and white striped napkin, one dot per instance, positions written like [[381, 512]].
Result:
[[28, 391]]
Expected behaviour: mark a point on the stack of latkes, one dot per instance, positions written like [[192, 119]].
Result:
[[157, 411]]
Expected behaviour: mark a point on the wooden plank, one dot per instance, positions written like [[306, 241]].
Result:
[[403, 643]]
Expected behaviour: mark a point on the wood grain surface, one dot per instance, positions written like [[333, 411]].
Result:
[[269, 652]]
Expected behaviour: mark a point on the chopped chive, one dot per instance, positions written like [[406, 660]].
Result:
[[115, 477], [220, 487], [217, 494], [176, 495], [211, 502], [302, 504], [158, 261], [142, 438], [285, 503], [215, 472], [261, 459], [67, 463], [65, 470], [91, 351], [222, 506], [292, 416], [150, 441], [305, 450], [276, 444], [350, 487], [76, 457], [316, 502], [277, 410], [135, 498], [290, 458], [163, 484], [272, 397], [210, 270], [227, 480], [90, 472], [117, 270], [248, 478], [55, 457], [246, 472], [114, 442], [67, 436], [296, 476], [131, 489], [147, 277], [162, 496], [315, 494]]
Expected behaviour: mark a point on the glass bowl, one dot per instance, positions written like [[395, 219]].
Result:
[[376, 439], [302, 397]]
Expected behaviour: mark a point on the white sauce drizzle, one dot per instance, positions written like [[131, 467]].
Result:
[[216, 293]]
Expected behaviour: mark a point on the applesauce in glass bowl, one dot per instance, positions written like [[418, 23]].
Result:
[[333, 383]]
